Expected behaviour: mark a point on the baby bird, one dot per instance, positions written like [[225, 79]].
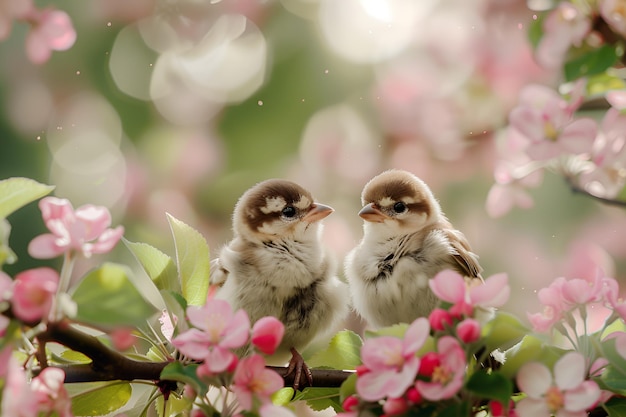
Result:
[[406, 241], [276, 266]]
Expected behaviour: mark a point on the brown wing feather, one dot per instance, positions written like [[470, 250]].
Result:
[[466, 259]]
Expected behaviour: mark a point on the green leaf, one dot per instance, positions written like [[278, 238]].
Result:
[[192, 258], [455, 410], [175, 371], [343, 352], [493, 386], [348, 387], [71, 356], [614, 380], [529, 349], [283, 396], [174, 407], [101, 401], [17, 192], [321, 398], [503, 332], [106, 297], [600, 84], [6, 254], [159, 267], [616, 407], [535, 30], [397, 330], [590, 63]]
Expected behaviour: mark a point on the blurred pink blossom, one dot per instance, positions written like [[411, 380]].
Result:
[[468, 330], [17, 396], [564, 26], [85, 230], [545, 119], [267, 333], [167, 327], [123, 338], [609, 157], [217, 331], [392, 363], [33, 293], [566, 392], [610, 290], [49, 391], [447, 377], [395, 406], [51, 30], [271, 410], [11, 10], [614, 13], [252, 381]]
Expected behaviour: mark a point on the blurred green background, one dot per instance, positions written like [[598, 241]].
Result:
[[180, 106]]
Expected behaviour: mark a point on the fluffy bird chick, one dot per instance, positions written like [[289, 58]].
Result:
[[406, 241], [276, 266]]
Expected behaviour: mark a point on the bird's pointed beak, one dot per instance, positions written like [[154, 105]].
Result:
[[371, 213], [317, 212]]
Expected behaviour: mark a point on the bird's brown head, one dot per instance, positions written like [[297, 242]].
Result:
[[277, 208], [398, 199]]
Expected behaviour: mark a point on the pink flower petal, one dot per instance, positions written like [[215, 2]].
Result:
[[218, 359], [107, 240], [449, 286], [45, 247], [582, 397], [95, 218], [267, 334], [569, 370], [534, 379], [238, 331], [415, 336], [493, 293]]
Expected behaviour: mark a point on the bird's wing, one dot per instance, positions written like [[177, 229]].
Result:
[[217, 273], [465, 258]]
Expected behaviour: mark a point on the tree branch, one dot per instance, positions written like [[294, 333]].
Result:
[[578, 190], [109, 365]]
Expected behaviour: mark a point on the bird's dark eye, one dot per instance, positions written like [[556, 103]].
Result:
[[399, 207], [289, 212]]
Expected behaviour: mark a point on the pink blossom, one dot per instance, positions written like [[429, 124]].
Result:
[[610, 290], [271, 410], [217, 331], [51, 30], [617, 98], [614, 13], [123, 338], [392, 363], [545, 119], [17, 397], [395, 406], [554, 306], [450, 286], [565, 26], [566, 392], [513, 174], [267, 334], [84, 230], [607, 178], [468, 330], [578, 291], [33, 293], [252, 381], [447, 377], [167, 327], [50, 392], [439, 319]]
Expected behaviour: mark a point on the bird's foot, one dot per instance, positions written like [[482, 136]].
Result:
[[300, 371]]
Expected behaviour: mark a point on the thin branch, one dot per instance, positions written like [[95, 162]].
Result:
[[578, 190]]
